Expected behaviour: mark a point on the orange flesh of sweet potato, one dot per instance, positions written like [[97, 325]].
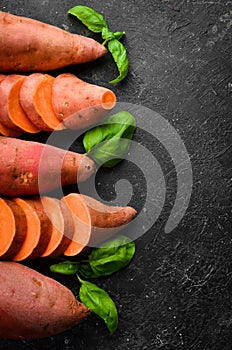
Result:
[[69, 230], [43, 104], [20, 229], [62, 229], [79, 104], [7, 227], [37, 46], [33, 231], [33, 305], [16, 112], [45, 227], [28, 167], [82, 224], [26, 98], [5, 88]]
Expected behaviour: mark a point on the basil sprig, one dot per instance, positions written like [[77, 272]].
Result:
[[111, 256], [108, 143], [99, 302], [95, 22]]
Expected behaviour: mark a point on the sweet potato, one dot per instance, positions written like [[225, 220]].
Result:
[[30, 45], [4, 131], [43, 104], [45, 228], [33, 305], [95, 222], [32, 237], [106, 220], [20, 229], [15, 110], [7, 227], [5, 88], [26, 100], [62, 226], [82, 224], [28, 167], [79, 104]]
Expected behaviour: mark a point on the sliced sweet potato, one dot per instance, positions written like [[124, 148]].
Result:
[[33, 231], [82, 223], [79, 104], [43, 103], [62, 226], [5, 88], [45, 227], [7, 227], [27, 98], [15, 110], [106, 220], [20, 229]]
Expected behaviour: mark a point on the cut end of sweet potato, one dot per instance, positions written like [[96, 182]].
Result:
[[108, 100]]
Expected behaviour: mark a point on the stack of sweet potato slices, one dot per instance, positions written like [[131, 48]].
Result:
[[41, 102], [44, 226]]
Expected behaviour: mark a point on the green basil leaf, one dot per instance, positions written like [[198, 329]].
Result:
[[99, 302], [118, 35], [119, 54], [93, 20], [86, 271], [107, 34], [112, 256], [65, 268], [109, 142]]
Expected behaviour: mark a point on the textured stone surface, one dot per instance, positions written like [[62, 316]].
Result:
[[176, 294]]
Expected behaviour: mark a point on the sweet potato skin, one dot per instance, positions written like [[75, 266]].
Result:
[[22, 49], [28, 167], [23, 289]]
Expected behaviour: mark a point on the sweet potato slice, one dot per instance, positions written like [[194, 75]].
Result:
[[33, 231], [80, 104], [27, 98], [9, 132], [5, 87], [82, 223], [15, 110], [62, 226], [7, 227], [20, 229], [43, 103], [45, 227]]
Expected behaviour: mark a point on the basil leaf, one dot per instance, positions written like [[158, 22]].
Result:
[[118, 35], [86, 271], [119, 54], [65, 268], [108, 35], [93, 20], [109, 142], [112, 256], [99, 302]]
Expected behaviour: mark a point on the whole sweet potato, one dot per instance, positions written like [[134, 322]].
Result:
[[33, 305], [30, 45]]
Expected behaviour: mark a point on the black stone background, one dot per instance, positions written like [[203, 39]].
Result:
[[177, 292]]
